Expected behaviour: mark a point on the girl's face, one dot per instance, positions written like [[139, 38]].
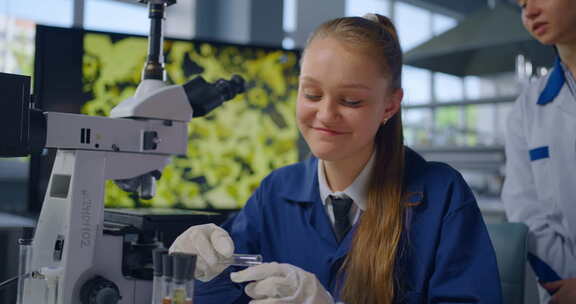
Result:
[[343, 98], [550, 21]]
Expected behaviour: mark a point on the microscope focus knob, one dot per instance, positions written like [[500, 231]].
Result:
[[99, 290]]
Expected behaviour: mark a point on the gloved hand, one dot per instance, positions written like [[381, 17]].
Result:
[[211, 244], [282, 283]]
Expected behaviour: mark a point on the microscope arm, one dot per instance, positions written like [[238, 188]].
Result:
[[147, 136]]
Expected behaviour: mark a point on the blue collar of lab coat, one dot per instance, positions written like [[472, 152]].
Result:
[[554, 84], [308, 185]]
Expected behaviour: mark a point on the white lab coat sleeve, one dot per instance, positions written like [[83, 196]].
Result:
[[548, 238]]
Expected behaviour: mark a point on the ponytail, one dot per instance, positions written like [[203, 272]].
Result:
[[370, 266]]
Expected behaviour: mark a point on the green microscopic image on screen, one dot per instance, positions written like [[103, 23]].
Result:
[[230, 150]]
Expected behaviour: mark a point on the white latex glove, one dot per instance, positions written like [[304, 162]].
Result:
[[211, 244], [282, 283]]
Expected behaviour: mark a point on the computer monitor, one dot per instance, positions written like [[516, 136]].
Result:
[[229, 151]]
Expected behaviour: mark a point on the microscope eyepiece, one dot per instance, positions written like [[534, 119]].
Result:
[[230, 88], [204, 96]]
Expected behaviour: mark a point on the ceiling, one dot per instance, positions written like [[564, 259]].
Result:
[[485, 42], [456, 8]]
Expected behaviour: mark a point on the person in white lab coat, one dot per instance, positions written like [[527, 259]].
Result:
[[540, 185]]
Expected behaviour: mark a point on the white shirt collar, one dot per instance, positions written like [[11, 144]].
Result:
[[357, 191]]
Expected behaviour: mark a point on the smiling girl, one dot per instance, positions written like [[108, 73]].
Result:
[[364, 220]]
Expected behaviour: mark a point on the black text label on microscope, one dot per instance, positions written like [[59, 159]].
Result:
[[85, 217]]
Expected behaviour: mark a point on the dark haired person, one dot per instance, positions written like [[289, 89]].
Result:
[[540, 185]]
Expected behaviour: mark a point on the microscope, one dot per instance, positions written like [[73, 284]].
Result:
[[73, 261]]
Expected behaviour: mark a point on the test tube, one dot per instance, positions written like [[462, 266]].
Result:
[[24, 261], [245, 260], [191, 281], [157, 274], [183, 285], [167, 261]]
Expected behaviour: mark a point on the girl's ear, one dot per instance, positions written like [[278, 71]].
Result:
[[393, 104]]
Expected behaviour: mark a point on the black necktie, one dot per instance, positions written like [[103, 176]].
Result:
[[341, 208]]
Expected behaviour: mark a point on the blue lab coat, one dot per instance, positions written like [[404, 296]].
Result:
[[448, 259]]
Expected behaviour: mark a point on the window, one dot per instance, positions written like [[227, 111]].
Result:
[[16, 46], [417, 124], [289, 18], [114, 16], [416, 83], [53, 12], [448, 87], [442, 24], [413, 25], [361, 7], [18, 19]]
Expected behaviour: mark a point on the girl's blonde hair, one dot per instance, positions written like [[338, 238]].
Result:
[[370, 267]]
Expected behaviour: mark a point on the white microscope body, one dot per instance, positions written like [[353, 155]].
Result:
[[69, 246], [72, 260]]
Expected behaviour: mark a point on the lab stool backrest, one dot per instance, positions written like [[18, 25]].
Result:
[[510, 243]]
